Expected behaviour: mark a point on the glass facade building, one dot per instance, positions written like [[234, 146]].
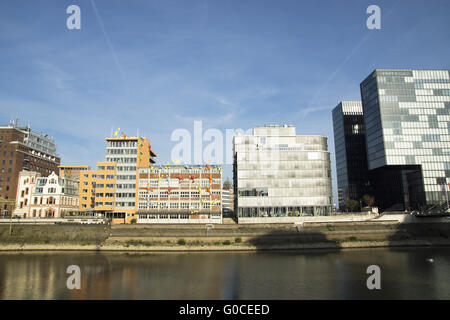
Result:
[[278, 174], [350, 147], [407, 125]]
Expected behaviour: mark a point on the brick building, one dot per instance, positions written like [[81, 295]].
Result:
[[23, 149]]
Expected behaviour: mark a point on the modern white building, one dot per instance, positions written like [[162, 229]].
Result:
[[280, 176], [45, 197]]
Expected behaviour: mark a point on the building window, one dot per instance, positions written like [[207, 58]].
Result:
[[185, 205]]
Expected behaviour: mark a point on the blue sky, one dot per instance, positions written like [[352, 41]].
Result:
[[155, 66]]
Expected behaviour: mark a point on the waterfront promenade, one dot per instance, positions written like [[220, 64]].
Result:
[[374, 231]]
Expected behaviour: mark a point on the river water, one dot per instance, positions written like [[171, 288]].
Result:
[[406, 273]]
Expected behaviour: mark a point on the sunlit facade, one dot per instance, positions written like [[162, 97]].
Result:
[[278, 174], [407, 122], [45, 197], [180, 194], [112, 190]]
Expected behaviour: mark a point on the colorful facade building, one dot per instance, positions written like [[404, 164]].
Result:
[[180, 194], [45, 197], [111, 190]]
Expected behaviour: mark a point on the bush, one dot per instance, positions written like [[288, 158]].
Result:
[[237, 240], [181, 242], [133, 221], [134, 242], [226, 242]]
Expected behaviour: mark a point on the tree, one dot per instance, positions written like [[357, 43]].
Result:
[[351, 204], [369, 200]]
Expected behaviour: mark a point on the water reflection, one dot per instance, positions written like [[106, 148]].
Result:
[[406, 274]]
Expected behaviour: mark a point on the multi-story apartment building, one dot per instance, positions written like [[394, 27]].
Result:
[[111, 190], [279, 176], [407, 122], [72, 172], [45, 197], [350, 146], [97, 188], [23, 149], [180, 194]]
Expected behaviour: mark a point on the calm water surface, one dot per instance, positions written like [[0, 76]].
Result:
[[405, 274]]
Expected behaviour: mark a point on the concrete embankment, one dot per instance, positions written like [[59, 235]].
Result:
[[249, 237]]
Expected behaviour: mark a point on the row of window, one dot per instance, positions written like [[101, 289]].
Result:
[[164, 216], [173, 216], [153, 183], [105, 204], [122, 144], [178, 170], [176, 205], [69, 201], [100, 176], [107, 168], [122, 160], [175, 194]]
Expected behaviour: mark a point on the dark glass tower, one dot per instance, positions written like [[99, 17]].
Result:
[[350, 146]]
